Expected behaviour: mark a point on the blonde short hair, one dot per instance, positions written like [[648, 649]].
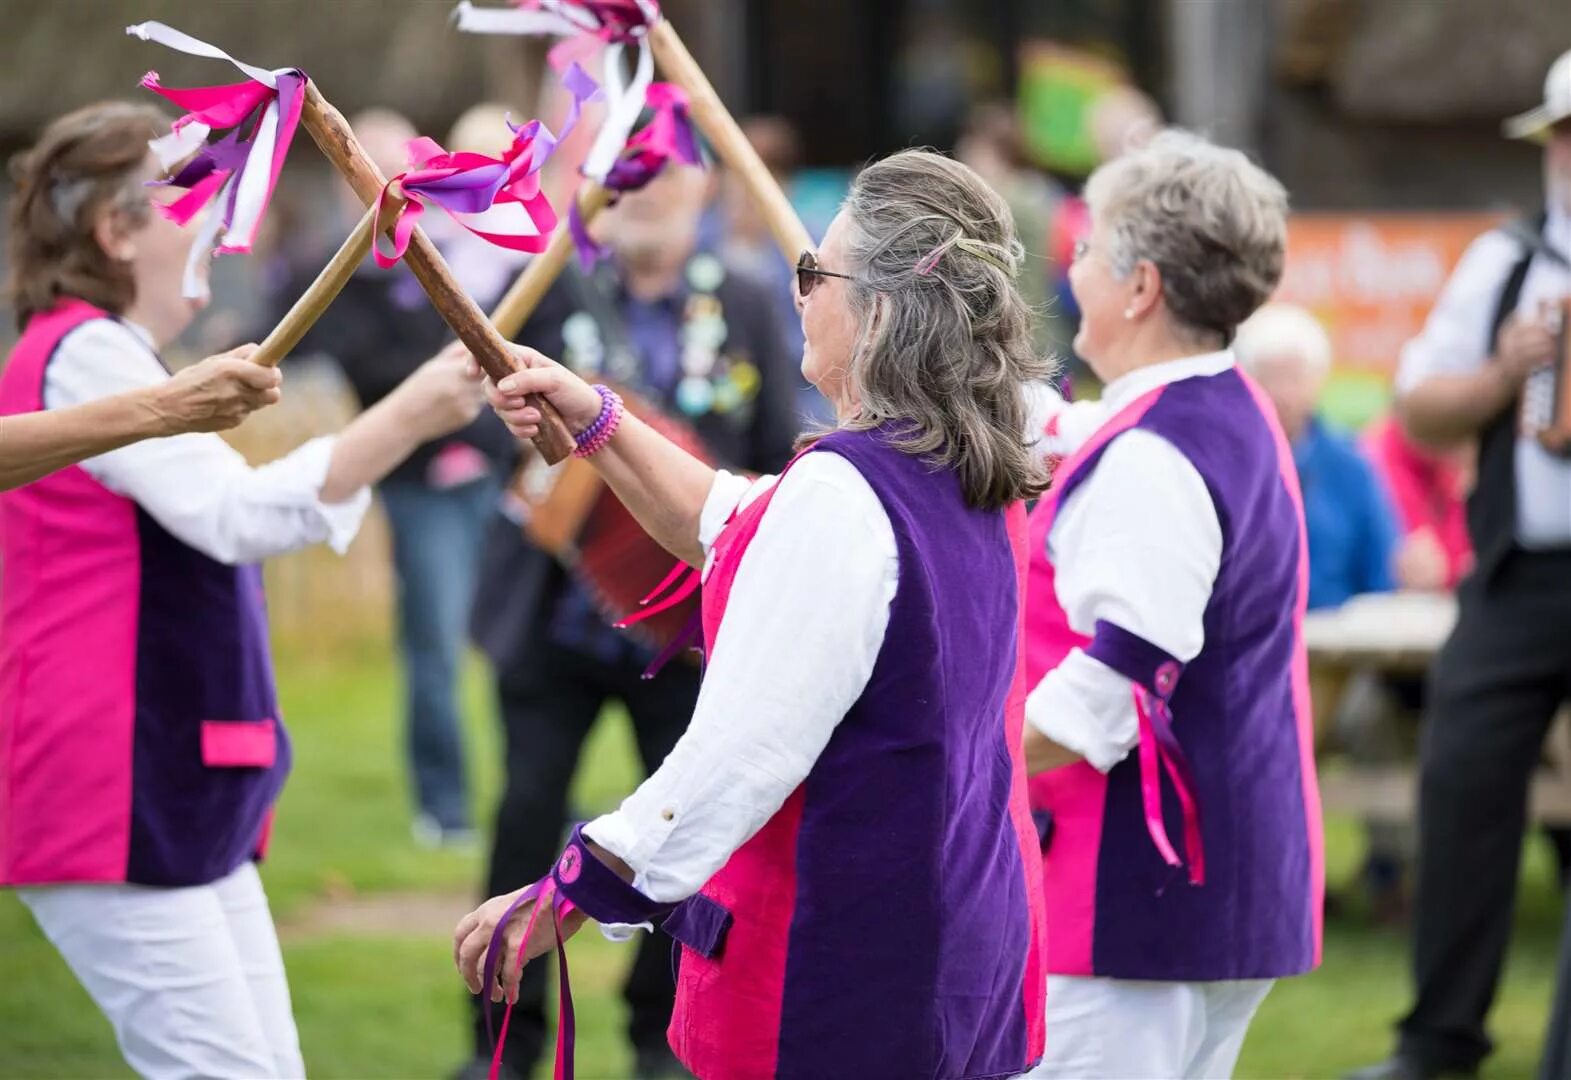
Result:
[[1213, 222], [1280, 331]]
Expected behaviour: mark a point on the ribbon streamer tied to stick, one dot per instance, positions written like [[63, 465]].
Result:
[[245, 170], [237, 173]]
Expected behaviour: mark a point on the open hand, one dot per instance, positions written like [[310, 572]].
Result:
[[443, 394], [472, 938]]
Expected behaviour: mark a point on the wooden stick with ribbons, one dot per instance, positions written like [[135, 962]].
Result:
[[234, 178], [332, 135]]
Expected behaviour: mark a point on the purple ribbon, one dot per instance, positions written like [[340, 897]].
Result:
[[668, 136]]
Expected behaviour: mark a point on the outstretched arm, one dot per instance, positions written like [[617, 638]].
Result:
[[214, 395]]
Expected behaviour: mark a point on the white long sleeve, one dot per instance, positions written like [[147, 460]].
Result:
[[802, 631], [197, 486], [1137, 544]]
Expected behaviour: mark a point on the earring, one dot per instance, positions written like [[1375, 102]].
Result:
[[1129, 313]]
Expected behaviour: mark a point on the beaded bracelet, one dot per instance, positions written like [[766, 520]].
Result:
[[593, 438]]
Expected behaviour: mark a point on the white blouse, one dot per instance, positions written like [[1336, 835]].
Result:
[[197, 486]]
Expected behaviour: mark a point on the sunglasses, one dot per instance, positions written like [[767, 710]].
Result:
[[808, 273]]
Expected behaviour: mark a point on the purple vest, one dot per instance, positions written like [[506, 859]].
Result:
[[1240, 712], [141, 732], [886, 921]]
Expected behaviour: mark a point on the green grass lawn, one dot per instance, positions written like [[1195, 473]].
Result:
[[385, 1002]]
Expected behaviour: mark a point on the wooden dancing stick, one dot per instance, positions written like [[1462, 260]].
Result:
[[720, 128], [332, 135], [514, 309], [328, 284]]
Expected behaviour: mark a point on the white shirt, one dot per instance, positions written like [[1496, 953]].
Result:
[[1138, 543], [803, 628], [1455, 341], [197, 486]]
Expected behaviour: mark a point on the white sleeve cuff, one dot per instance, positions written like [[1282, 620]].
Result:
[[614, 833], [296, 480], [1087, 707]]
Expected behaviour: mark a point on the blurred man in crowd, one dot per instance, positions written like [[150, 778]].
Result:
[[1351, 527], [1502, 674]]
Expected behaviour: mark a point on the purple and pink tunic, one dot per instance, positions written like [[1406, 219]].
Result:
[[887, 921], [1239, 713], [140, 732]]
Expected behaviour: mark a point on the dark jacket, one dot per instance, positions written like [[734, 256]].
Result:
[[522, 583], [379, 330]]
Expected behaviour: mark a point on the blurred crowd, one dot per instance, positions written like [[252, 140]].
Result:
[[1459, 490]]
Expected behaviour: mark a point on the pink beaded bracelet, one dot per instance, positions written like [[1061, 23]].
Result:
[[593, 439]]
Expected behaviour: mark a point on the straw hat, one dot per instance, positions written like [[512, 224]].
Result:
[[1535, 123]]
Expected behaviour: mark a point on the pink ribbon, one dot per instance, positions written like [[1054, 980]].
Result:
[[497, 199], [1159, 753], [239, 173]]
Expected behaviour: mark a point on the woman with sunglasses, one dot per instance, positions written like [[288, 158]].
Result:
[[141, 746], [840, 840]]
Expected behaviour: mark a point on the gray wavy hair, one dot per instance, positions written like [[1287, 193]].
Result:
[[1213, 222], [945, 350]]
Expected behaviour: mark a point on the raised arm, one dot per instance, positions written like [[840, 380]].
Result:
[[662, 485]]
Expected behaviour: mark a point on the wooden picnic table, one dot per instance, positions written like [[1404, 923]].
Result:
[[1399, 634]]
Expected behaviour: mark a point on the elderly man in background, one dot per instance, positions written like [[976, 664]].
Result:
[[1347, 513], [1503, 672]]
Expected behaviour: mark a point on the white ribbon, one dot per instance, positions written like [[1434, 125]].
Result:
[[493, 20], [249, 188], [624, 100], [624, 103], [168, 36]]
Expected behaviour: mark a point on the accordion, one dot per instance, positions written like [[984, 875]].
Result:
[[573, 515], [1546, 393]]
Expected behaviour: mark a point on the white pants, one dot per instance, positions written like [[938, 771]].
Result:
[[191, 979], [1120, 1029]]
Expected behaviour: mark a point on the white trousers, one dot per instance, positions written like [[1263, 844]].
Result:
[[1118, 1029], [191, 979]]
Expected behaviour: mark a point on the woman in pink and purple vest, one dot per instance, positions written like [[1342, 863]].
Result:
[[141, 747], [841, 840], [1169, 680]]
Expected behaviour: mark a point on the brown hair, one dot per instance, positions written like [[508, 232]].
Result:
[[85, 160]]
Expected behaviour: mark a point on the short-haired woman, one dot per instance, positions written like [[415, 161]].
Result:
[[1169, 679], [143, 748], [841, 839]]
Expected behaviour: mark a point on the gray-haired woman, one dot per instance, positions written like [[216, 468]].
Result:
[[1168, 584], [841, 840]]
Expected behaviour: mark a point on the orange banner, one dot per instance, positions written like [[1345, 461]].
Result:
[[1372, 278]]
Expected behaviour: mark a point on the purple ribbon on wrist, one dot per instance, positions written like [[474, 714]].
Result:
[[598, 891], [1155, 674]]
